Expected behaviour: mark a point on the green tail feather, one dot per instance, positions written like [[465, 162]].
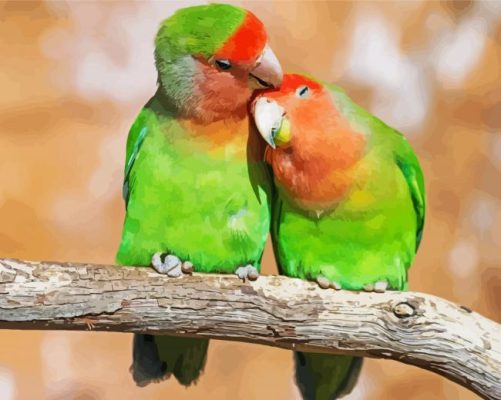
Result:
[[157, 357], [324, 376]]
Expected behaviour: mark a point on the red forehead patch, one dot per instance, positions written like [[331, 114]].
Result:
[[247, 43], [289, 85], [292, 81]]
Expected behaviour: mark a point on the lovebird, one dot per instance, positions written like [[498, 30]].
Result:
[[196, 188], [349, 209]]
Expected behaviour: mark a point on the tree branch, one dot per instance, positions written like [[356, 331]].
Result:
[[413, 328]]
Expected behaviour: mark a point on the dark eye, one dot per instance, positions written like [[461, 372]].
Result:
[[223, 64], [302, 91]]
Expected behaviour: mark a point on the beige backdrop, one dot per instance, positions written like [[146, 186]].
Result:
[[73, 75]]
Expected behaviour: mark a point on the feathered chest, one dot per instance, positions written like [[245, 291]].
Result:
[[316, 176]]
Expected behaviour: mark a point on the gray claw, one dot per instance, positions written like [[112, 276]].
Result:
[[369, 287], [335, 285], [248, 272], [170, 266], [156, 261], [175, 270], [187, 268], [323, 282], [380, 286]]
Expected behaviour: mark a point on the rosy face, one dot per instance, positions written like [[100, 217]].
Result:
[[225, 82], [210, 85], [312, 146], [300, 102]]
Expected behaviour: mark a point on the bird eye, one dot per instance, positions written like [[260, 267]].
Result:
[[223, 64], [302, 91]]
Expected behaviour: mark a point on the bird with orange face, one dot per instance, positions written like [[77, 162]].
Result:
[[350, 204]]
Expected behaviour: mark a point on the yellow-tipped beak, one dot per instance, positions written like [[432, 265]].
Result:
[[271, 122], [268, 72]]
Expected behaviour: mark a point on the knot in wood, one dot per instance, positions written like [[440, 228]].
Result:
[[404, 310]]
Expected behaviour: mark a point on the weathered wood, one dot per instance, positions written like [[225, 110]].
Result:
[[413, 328]]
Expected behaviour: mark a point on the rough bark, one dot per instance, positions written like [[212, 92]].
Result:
[[413, 328]]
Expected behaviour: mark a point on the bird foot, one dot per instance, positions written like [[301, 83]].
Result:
[[324, 283], [171, 265], [378, 287], [247, 272]]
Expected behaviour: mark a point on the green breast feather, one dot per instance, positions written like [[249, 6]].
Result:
[[199, 205]]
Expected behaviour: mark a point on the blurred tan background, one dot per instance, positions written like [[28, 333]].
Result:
[[73, 75]]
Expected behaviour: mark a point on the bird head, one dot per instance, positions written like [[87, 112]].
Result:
[[211, 58]]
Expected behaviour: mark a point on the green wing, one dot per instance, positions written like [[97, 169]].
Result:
[[403, 153], [137, 133], [406, 160], [409, 165]]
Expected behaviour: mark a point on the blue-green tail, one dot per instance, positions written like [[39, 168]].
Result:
[[324, 376], [155, 358]]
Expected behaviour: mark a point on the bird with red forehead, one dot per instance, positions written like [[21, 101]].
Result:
[[196, 189], [350, 204]]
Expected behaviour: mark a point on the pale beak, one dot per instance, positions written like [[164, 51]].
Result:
[[268, 115], [267, 73]]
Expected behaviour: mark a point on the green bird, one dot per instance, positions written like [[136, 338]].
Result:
[[196, 188], [350, 207]]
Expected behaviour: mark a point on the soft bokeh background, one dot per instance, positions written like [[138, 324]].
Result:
[[73, 75]]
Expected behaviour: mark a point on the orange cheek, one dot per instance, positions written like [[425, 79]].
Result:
[[223, 92]]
